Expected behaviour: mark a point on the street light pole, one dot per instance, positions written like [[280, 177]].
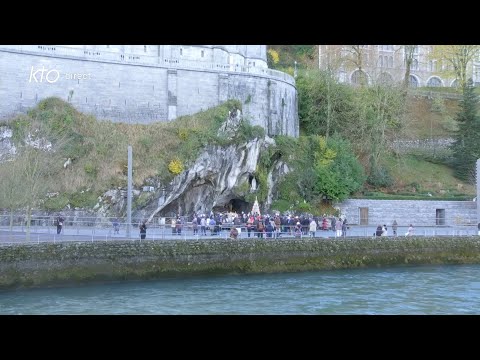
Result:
[[295, 71], [129, 192]]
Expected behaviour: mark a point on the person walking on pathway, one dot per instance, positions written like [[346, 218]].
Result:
[[143, 230], [60, 221]]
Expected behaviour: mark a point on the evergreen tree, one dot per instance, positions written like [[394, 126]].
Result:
[[466, 145]]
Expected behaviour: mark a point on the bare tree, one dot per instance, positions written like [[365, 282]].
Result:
[[32, 172], [455, 60], [10, 192], [331, 58], [409, 51], [346, 57], [357, 57]]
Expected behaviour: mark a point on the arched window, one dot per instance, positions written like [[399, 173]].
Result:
[[385, 78], [390, 61], [359, 77], [380, 61], [454, 83], [385, 60], [434, 82], [413, 81]]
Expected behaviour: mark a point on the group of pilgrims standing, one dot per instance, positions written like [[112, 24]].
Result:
[[265, 226]]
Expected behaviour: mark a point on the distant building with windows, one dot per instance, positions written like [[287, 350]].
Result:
[[353, 64]]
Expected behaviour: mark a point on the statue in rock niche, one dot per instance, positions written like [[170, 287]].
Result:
[[254, 185]]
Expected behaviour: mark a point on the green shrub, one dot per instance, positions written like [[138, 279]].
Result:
[[303, 207], [91, 169], [415, 185], [281, 205], [142, 200], [56, 203], [248, 132], [380, 177], [19, 127], [83, 199], [74, 147]]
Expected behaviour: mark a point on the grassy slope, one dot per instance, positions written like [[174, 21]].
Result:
[[417, 176], [431, 118], [428, 117]]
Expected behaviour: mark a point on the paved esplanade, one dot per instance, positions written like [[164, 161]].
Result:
[[48, 233]]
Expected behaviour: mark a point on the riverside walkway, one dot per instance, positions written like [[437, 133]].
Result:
[[18, 234]]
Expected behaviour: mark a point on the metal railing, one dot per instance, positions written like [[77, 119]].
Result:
[[86, 229]]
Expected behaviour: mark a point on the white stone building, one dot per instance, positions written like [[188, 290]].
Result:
[[387, 63]]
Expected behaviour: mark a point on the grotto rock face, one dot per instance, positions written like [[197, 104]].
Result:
[[219, 175]]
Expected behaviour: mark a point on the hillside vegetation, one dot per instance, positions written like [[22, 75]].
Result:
[[424, 171], [325, 166], [98, 150]]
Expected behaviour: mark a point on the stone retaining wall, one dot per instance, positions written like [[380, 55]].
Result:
[[61, 264], [416, 212]]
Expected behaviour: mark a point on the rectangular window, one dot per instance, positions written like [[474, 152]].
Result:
[[440, 216]]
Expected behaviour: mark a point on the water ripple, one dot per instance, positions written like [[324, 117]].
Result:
[[422, 290]]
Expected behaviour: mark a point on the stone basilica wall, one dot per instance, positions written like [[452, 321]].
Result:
[[136, 88]]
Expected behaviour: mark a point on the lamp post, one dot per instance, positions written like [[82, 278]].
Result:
[[129, 190], [295, 70]]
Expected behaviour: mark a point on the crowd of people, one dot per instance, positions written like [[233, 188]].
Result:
[[256, 225], [268, 226], [265, 226]]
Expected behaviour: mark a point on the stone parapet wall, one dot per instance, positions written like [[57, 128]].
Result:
[[60, 264], [132, 91]]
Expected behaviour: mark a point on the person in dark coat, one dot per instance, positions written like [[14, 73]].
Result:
[[344, 228], [60, 221], [116, 226], [143, 230], [269, 229]]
